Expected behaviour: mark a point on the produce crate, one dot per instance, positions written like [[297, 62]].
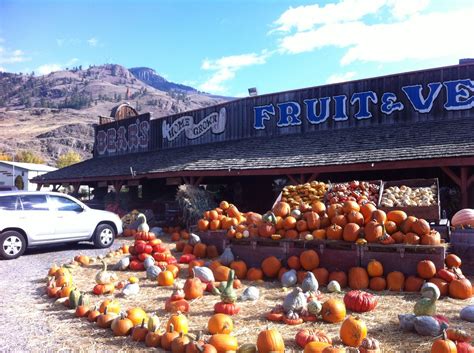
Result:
[[254, 251], [462, 244], [403, 258], [214, 237], [333, 255], [376, 182], [430, 213]]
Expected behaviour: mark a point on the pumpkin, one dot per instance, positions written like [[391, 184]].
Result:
[[460, 288], [179, 323], [152, 272], [316, 347], [390, 227], [399, 237], [199, 250], [351, 232], [289, 223], [333, 310], [309, 260], [254, 274], [211, 251], [411, 238], [289, 278], [349, 206], [139, 332], [377, 284], [430, 290], [93, 315], [74, 296], [425, 306], [395, 281], [340, 220], [432, 238], [464, 217], [353, 331], [265, 230], [464, 347], [250, 293], [122, 326], [340, 277], [397, 216], [203, 225], [223, 342], [281, 209], [373, 231], [193, 288], [270, 266], [293, 262], [458, 335], [312, 220], [82, 309], [442, 285], [413, 284], [355, 217], [270, 340], [358, 278], [426, 269], [447, 275], [453, 260], [165, 278], [178, 345], [367, 209], [220, 323], [421, 227], [304, 336], [379, 216], [318, 207], [375, 268], [443, 345], [105, 320], [136, 315], [322, 275], [334, 232], [168, 337], [314, 307], [360, 301], [240, 268]]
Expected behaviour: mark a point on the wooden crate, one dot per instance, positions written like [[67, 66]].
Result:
[[214, 237], [333, 255], [403, 258], [376, 182], [254, 251], [462, 244], [430, 213]]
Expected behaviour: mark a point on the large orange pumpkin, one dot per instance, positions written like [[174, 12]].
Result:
[[353, 330], [270, 340], [254, 274], [460, 288], [442, 285], [373, 231], [322, 275], [351, 232], [367, 209], [289, 222], [413, 284], [333, 310], [266, 230], [309, 260], [397, 216], [220, 323], [395, 281], [377, 283], [358, 278], [334, 232], [240, 268], [316, 347], [312, 219], [281, 209], [270, 266], [452, 260], [340, 277], [421, 227], [426, 269]]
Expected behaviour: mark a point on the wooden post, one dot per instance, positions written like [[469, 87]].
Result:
[[56, 187], [198, 181], [117, 187], [452, 175], [313, 177], [38, 186], [76, 187], [292, 179], [464, 187]]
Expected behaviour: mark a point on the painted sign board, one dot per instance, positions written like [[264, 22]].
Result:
[[123, 136]]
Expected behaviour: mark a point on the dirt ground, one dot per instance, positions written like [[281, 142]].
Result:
[[32, 322]]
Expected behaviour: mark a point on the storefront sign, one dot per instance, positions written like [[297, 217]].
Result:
[[123, 136], [214, 122], [459, 95]]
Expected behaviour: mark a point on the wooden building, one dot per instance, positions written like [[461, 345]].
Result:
[[409, 125]]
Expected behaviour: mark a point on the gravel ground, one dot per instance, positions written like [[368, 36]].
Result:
[[24, 327]]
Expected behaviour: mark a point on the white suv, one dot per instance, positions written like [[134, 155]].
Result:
[[38, 218]]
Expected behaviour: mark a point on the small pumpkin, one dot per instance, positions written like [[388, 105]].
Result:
[[136, 315], [426, 269], [358, 278], [333, 310], [168, 337], [122, 326], [443, 345], [452, 260], [375, 268], [395, 281], [353, 331], [220, 323], [224, 342], [179, 322], [139, 332], [270, 340], [178, 345], [306, 335]]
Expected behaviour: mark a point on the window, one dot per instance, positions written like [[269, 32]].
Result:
[[9, 203], [34, 202], [65, 204]]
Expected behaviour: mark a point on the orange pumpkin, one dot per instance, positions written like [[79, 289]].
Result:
[[281, 209], [254, 274], [395, 281], [460, 288], [240, 268], [390, 227], [426, 269], [215, 224], [374, 231], [340, 220], [379, 216], [377, 283], [199, 250], [421, 227], [367, 209], [165, 278], [289, 222], [411, 238], [333, 310], [375, 268], [270, 266], [309, 260], [353, 330], [312, 219], [322, 275], [316, 347], [397, 216], [351, 232], [334, 232], [399, 237], [407, 225], [266, 230], [340, 277], [319, 234], [452, 261], [334, 210], [270, 340], [358, 278], [220, 323], [350, 206], [212, 252], [318, 207], [355, 217], [442, 285], [294, 263], [413, 284], [301, 225], [221, 273]]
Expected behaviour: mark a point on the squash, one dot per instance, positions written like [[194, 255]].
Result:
[[427, 326], [289, 278], [305, 336], [464, 217], [353, 331], [333, 310], [104, 277], [467, 313], [360, 301], [310, 283]]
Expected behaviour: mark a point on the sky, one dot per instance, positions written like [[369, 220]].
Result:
[[225, 47]]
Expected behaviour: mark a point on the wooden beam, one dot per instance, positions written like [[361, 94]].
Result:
[[292, 179], [452, 175], [198, 181], [186, 180], [464, 187], [470, 180], [313, 177]]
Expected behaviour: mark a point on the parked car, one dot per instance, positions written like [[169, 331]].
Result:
[[8, 188], [30, 219]]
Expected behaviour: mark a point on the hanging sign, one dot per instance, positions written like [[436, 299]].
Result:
[[214, 122]]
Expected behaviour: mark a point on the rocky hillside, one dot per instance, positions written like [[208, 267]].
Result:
[[55, 113]]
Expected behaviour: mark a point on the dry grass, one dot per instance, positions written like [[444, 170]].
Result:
[[382, 323]]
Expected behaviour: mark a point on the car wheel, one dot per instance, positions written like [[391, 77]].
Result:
[[104, 236], [12, 245]]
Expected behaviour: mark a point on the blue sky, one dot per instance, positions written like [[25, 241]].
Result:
[[225, 47]]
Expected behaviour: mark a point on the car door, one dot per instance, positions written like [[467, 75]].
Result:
[[72, 220], [10, 214], [36, 218]]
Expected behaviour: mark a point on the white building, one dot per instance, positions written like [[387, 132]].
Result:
[[18, 174]]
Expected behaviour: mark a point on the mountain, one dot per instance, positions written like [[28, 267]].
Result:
[[55, 113]]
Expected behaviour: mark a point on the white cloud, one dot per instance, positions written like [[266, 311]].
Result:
[[93, 42], [226, 67], [418, 36], [335, 78], [2, 69], [47, 68], [12, 56]]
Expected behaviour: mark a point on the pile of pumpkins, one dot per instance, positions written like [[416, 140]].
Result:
[[349, 221]]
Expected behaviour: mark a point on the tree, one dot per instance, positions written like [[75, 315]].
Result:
[[29, 157], [5, 157], [68, 159]]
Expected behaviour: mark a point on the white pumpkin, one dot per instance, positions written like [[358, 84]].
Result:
[[430, 290], [334, 286]]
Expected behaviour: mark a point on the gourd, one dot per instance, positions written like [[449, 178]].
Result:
[[143, 225], [226, 257], [250, 293], [74, 296], [149, 261], [334, 286], [104, 277], [426, 305], [369, 345], [314, 307], [467, 313], [122, 264], [430, 290], [407, 322], [427, 326], [310, 283], [228, 298], [295, 301], [194, 239], [131, 289], [289, 278], [204, 274], [269, 217], [152, 272]]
